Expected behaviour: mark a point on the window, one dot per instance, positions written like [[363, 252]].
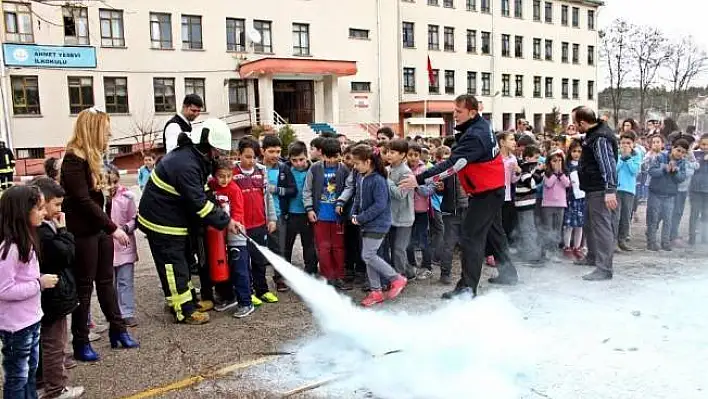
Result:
[[591, 90], [18, 23], [506, 121], [434, 84], [264, 28], [591, 55], [76, 26], [549, 12], [408, 35], [120, 149], [505, 11], [506, 85], [30, 153], [518, 8], [448, 3], [449, 82], [564, 88], [433, 37], [111, 28], [80, 93], [591, 19], [196, 86], [116, 93], [192, 32], [576, 53], [549, 87], [537, 123], [576, 89], [238, 95], [486, 43], [506, 50], [471, 5], [301, 39], [358, 33], [519, 46], [472, 83], [409, 80], [485, 7], [537, 87], [433, 3], [519, 92], [564, 15], [235, 34], [471, 41], [161, 30], [486, 83], [362, 87], [537, 10], [25, 94], [536, 48], [576, 17], [449, 38], [549, 50], [164, 89], [564, 52]]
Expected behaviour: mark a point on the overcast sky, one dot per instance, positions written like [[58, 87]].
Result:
[[675, 17]]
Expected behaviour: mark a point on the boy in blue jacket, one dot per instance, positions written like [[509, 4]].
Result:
[[629, 162], [699, 195]]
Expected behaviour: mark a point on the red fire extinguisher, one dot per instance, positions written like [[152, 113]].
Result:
[[218, 262]]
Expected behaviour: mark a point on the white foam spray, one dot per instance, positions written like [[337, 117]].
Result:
[[464, 349]]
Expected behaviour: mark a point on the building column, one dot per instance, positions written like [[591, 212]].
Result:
[[334, 98], [320, 103], [265, 105]]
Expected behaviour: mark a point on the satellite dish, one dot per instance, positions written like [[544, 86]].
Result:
[[253, 35]]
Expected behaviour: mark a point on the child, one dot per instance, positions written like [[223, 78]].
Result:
[[402, 210], [421, 207], [372, 211], [629, 162], [252, 179], [316, 149], [436, 219], [145, 170], [281, 187], [525, 202], [21, 212], [324, 183], [680, 203], [574, 218], [297, 223], [123, 212], [666, 171], [507, 147], [56, 257], [453, 207], [52, 168], [556, 183], [656, 146], [229, 196], [354, 265], [699, 195]]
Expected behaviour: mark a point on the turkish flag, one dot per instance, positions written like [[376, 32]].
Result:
[[431, 75]]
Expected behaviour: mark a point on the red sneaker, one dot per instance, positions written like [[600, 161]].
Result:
[[397, 286], [372, 299], [569, 253], [491, 262], [578, 252]]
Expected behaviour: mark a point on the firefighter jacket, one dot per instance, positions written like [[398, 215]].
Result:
[[7, 161], [175, 196]]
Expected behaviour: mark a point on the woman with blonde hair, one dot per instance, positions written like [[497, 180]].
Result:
[[82, 179]]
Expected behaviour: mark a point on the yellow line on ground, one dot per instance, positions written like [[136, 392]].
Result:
[[191, 381]]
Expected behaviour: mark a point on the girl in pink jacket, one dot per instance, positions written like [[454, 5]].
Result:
[[123, 212], [555, 186]]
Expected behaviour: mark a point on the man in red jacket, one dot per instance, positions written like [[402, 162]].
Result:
[[476, 160]]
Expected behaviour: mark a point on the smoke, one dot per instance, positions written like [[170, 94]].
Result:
[[463, 349]]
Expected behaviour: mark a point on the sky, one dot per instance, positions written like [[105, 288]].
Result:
[[676, 18]]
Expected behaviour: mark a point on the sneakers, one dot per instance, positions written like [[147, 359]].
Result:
[[256, 301], [569, 253], [424, 274], [666, 247], [70, 393], [243, 311], [445, 279], [205, 306], [69, 362], [397, 286], [93, 337], [653, 247], [459, 293], [98, 328], [197, 318], [598, 275], [226, 306], [131, 321], [269, 297], [280, 286], [341, 285], [623, 246], [374, 297]]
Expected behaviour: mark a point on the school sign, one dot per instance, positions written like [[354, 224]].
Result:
[[29, 55]]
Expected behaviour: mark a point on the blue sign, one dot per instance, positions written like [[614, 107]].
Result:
[[30, 55]]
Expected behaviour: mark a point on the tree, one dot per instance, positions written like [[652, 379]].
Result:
[[553, 124], [287, 136], [685, 63], [650, 50], [146, 133], [614, 47]]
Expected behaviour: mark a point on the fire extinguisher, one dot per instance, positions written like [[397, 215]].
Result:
[[218, 262]]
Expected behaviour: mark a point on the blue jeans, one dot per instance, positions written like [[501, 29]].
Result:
[[239, 262], [20, 357], [679, 207], [660, 208], [125, 289], [419, 240]]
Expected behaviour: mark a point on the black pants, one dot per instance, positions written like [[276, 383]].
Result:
[[275, 243], [352, 250], [509, 219], [258, 262], [5, 180], [170, 255], [482, 227], [298, 224], [94, 264]]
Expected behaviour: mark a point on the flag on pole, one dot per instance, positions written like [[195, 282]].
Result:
[[431, 75]]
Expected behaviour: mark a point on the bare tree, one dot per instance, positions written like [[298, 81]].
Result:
[[146, 132], [650, 50], [686, 62], [614, 51]]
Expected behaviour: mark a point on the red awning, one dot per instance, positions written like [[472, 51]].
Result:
[[442, 106], [291, 66]]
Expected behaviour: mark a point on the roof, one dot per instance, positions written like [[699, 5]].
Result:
[[290, 66]]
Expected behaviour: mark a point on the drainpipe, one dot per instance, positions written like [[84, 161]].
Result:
[[378, 59], [6, 126]]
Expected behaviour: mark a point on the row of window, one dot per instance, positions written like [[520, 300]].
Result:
[[409, 85], [26, 99], [485, 7]]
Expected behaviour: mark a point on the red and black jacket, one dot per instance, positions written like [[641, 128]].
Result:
[[475, 159]]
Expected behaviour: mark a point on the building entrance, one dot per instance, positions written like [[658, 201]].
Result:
[[294, 100]]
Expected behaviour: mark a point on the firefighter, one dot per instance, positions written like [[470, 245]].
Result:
[[7, 166], [173, 196]]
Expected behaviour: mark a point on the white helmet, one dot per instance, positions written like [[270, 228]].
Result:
[[216, 133]]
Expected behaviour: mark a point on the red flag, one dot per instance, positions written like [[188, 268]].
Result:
[[431, 75]]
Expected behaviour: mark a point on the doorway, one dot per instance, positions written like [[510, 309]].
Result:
[[294, 100]]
